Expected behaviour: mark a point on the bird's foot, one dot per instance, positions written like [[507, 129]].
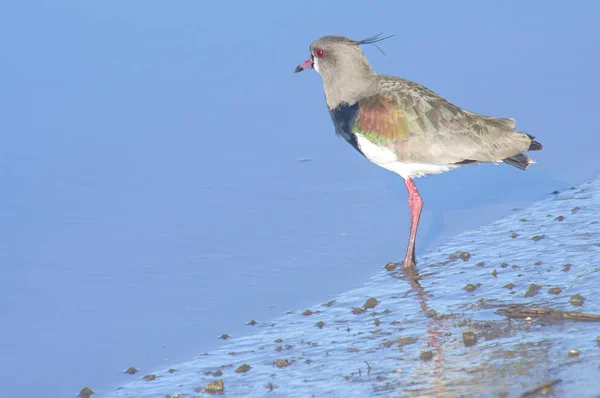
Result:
[[409, 263]]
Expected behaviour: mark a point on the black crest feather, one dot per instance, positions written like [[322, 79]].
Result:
[[375, 39]]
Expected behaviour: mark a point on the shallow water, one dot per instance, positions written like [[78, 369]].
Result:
[[377, 351]]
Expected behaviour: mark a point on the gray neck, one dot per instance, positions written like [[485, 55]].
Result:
[[349, 83]]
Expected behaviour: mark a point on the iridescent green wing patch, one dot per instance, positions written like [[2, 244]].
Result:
[[381, 120]]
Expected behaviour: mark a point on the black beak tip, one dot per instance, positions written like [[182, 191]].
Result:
[[299, 68]]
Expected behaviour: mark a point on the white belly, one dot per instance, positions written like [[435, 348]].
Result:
[[387, 159]]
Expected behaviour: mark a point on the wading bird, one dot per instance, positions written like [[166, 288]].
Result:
[[405, 127]]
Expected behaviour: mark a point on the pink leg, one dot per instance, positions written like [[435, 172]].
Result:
[[415, 203]]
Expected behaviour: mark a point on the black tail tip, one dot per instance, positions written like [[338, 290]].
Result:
[[535, 146]]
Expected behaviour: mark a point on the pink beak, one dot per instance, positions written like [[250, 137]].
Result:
[[304, 65]]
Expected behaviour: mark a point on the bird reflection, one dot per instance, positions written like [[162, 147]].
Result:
[[436, 328]]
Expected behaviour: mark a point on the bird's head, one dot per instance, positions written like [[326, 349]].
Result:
[[341, 64]]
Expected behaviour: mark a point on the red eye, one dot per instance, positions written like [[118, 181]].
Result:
[[319, 53]]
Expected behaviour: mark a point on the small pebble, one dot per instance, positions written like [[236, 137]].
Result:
[[469, 339], [243, 368], [431, 313], [426, 355], [574, 353], [554, 290], [532, 290], [149, 377], [85, 392], [391, 266], [559, 218], [224, 336], [577, 300], [495, 273], [282, 363], [513, 235], [320, 324], [252, 322], [214, 387], [508, 286], [537, 238], [357, 310], [480, 264], [470, 288], [370, 303], [131, 371], [566, 267], [307, 313], [465, 256]]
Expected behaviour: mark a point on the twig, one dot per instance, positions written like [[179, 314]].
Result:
[[540, 389]]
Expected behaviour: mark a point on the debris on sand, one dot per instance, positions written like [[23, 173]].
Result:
[[471, 288], [426, 355], [469, 339], [214, 387], [131, 371], [546, 388], [402, 341], [546, 314], [85, 392], [370, 303], [574, 353], [532, 290], [577, 300], [282, 363], [243, 368]]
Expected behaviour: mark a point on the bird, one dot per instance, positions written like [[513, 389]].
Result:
[[405, 127]]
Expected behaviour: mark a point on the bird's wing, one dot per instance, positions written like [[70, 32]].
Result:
[[422, 127]]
